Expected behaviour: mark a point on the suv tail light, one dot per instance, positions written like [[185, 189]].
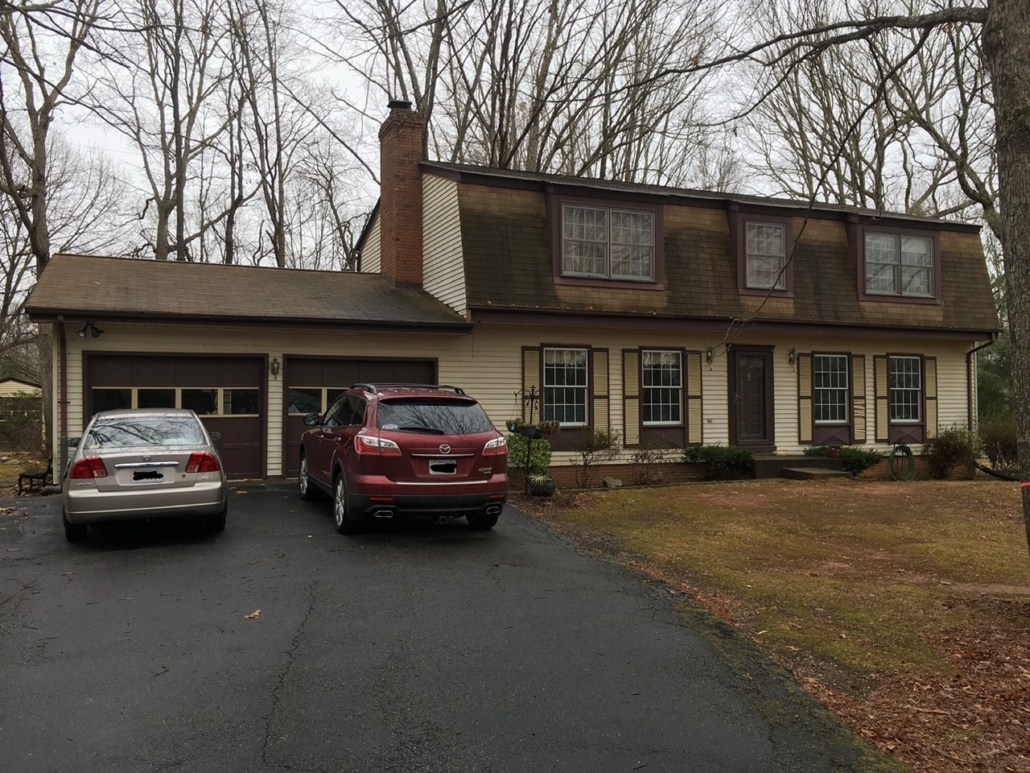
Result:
[[91, 467], [376, 446], [203, 462], [496, 447]]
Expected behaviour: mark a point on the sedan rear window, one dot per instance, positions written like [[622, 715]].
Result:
[[129, 431], [432, 417]]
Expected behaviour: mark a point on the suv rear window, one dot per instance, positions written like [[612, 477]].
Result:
[[126, 432], [432, 417]]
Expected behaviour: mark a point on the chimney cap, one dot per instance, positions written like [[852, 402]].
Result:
[[399, 104]]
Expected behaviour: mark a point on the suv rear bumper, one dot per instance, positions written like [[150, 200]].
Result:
[[363, 506]]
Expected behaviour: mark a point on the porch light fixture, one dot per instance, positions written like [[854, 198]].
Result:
[[792, 356], [709, 355], [93, 330], [273, 367]]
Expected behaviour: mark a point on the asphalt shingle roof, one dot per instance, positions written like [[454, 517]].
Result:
[[123, 287]]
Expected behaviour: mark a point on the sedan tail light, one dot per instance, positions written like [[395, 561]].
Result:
[[203, 462], [90, 467], [496, 447], [376, 446]]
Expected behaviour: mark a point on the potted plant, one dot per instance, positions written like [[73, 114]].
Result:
[[541, 485], [550, 427]]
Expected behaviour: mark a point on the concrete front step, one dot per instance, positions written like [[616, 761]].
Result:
[[812, 473]]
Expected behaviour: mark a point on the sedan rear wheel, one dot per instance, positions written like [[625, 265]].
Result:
[[344, 523], [307, 491], [73, 532]]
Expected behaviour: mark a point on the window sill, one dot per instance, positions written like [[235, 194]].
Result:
[[622, 284]]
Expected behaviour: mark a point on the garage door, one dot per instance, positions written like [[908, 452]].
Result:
[[312, 383], [228, 394]]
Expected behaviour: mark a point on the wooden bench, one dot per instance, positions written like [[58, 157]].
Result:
[[35, 480]]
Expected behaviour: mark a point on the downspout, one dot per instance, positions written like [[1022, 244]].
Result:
[[970, 386], [62, 396]]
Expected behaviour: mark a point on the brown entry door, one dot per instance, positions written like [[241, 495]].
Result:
[[751, 393]]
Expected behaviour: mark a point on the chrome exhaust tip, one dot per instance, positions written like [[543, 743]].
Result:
[[383, 514], [493, 510]]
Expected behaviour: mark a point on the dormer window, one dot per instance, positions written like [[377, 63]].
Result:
[[899, 264], [608, 243], [766, 255]]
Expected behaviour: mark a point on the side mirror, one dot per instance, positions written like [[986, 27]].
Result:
[[73, 442], [312, 420], [215, 436]]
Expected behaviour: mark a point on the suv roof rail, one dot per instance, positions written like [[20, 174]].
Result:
[[374, 388]]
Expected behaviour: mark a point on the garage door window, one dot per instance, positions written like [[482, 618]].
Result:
[[305, 400], [205, 402]]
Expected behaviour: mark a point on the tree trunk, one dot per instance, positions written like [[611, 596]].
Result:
[[1006, 39]]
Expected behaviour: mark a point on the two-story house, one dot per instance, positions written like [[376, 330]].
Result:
[[675, 317]]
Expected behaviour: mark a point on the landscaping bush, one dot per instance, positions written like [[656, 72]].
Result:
[[852, 458], [597, 447], [998, 436], [539, 455], [718, 462], [648, 460], [952, 447]]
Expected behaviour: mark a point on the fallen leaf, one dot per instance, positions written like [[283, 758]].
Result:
[[253, 615]]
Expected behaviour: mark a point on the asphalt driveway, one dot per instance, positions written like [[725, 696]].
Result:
[[411, 648]]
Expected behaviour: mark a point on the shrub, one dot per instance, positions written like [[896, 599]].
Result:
[[717, 462], [952, 447], [816, 451], [539, 455], [998, 436], [597, 446], [647, 459], [858, 460]]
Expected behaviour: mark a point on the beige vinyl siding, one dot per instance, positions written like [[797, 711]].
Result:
[[15, 388], [370, 263], [443, 269], [489, 365]]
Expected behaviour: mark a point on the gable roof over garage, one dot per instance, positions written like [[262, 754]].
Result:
[[110, 288]]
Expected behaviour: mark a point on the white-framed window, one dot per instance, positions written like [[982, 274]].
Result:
[[204, 401], [830, 388], [898, 264], [566, 386], [766, 255], [608, 243], [905, 389], [661, 379]]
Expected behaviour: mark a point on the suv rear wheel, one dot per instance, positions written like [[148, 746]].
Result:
[[344, 523]]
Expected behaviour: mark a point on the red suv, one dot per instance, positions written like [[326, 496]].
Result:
[[389, 449]]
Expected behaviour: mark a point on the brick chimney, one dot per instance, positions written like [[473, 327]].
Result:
[[400, 196]]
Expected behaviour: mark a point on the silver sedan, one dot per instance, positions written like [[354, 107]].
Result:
[[138, 464]]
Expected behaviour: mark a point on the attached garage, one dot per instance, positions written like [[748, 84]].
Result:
[[313, 383], [226, 391]]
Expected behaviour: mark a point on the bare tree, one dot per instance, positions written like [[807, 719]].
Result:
[[546, 86]]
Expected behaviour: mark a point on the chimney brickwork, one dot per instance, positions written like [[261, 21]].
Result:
[[400, 197]]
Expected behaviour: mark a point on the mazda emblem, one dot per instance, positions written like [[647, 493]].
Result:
[[445, 449]]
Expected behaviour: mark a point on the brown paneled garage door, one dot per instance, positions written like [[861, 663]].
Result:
[[312, 383], [227, 392]]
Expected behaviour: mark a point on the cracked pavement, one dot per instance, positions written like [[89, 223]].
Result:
[[411, 648]]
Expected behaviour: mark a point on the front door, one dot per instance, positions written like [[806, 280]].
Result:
[[751, 397]]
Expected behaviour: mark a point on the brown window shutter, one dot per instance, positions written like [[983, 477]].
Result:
[[930, 395], [531, 370], [695, 420], [805, 418], [599, 370], [631, 397], [858, 426], [880, 394]]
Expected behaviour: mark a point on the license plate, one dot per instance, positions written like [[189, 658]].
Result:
[[443, 466], [147, 475]]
